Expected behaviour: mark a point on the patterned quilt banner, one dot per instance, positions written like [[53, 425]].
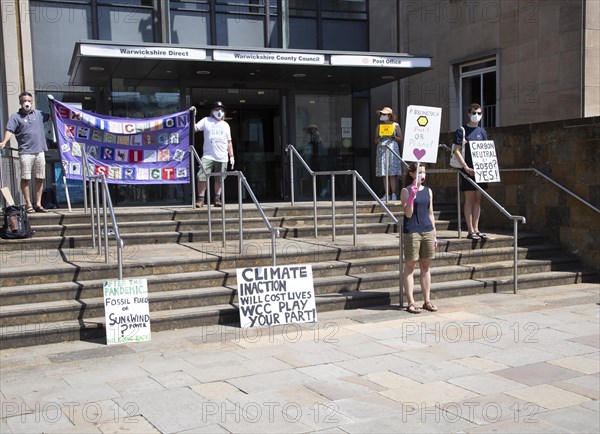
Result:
[[127, 151]]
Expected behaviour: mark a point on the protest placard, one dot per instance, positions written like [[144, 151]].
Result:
[[485, 161], [126, 311], [276, 295], [422, 133]]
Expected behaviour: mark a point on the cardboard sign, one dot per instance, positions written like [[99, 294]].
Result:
[[422, 134], [7, 196], [485, 161], [386, 130], [276, 295], [126, 311]]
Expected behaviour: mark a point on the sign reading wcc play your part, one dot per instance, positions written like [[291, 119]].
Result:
[[276, 295], [126, 311]]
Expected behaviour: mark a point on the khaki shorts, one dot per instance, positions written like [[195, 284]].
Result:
[[33, 164], [419, 245], [211, 166]]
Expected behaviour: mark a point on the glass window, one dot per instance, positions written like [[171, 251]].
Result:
[[125, 24], [303, 33], [240, 31], [190, 28], [58, 25], [345, 35], [478, 84]]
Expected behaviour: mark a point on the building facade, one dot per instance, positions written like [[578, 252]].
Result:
[[282, 66]]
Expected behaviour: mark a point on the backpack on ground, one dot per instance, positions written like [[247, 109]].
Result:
[[16, 223], [49, 198]]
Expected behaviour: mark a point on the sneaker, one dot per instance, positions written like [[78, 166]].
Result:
[[394, 197], [218, 202], [384, 197], [200, 202]]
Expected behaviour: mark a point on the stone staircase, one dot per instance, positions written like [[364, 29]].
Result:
[[51, 284]]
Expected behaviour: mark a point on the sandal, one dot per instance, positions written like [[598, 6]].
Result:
[[411, 308], [30, 210], [482, 235], [40, 209], [473, 236], [429, 306]]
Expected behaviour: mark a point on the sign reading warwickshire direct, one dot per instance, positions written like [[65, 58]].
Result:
[[276, 295], [126, 151]]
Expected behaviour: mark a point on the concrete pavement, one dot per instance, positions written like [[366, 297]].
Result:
[[484, 363]]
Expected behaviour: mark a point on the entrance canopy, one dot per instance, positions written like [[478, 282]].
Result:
[[95, 63]]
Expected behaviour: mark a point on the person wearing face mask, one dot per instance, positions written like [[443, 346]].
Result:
[[472, 207], [217, 150], [419, 236], [27, 125], [387, 160]]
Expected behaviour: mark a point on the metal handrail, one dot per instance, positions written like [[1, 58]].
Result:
[[242, 183], [94, 202], [508, 215], [547, 178], [355, 175], [387, 169]]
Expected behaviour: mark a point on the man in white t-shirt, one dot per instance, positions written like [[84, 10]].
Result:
[[218, 148]]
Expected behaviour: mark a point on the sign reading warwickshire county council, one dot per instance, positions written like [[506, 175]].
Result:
[[126, 311], [126, 151], [276, 295]]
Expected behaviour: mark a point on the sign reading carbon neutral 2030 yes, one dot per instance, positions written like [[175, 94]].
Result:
[[126, 311], [276, 295]]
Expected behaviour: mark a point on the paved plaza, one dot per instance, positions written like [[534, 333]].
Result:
[[482, 363]]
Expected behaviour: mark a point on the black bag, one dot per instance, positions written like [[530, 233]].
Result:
[[49, 198], [16, 224]]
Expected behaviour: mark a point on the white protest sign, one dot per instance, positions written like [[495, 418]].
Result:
[[422, 133], [276, 295], [126, 311], [485, 161]]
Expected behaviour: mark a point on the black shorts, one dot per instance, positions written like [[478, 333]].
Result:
[[467, 186]]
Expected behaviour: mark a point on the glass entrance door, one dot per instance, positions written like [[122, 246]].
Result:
[[254, 118]]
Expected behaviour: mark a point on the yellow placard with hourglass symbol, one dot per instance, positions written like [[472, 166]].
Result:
[[386, 130]]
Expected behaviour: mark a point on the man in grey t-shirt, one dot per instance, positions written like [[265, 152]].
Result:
[[27, 125]]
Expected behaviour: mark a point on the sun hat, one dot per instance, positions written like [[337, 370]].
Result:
[[387, 111]]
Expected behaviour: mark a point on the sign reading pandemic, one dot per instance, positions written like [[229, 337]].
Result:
[[485, 161], [126, 151], [422, 133], [126, 311], [276, 295]]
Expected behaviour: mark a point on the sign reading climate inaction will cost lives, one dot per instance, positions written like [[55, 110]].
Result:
[[276, 295], [126, 311]]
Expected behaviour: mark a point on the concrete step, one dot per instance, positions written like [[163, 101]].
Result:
[[80, 265], [207, 288], [39, 333]]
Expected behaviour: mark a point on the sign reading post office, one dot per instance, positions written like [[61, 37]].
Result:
[[276, 295]]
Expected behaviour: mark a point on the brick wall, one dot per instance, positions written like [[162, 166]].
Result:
[[568, 152]]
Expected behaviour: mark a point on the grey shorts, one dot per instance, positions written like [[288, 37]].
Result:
[[419, 245], [33, 164], [211, 166]]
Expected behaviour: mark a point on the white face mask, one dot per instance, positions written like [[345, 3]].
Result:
[[383, 118], [26, 106], [219, 114], [475, 118]]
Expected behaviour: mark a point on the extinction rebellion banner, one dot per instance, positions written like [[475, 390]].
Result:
[[127, 151]]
